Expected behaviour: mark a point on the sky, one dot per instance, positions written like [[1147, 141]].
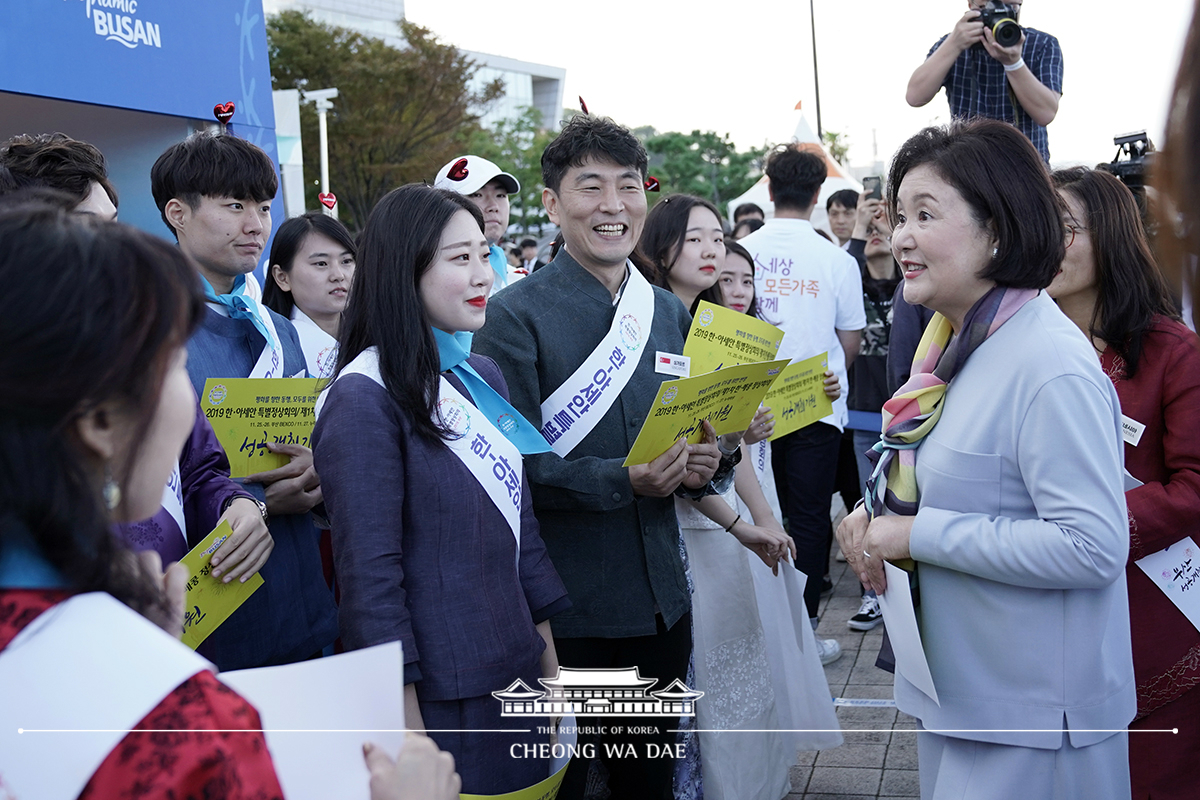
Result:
[[741, 67]]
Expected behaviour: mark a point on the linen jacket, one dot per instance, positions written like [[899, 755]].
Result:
[[1163, 395], [617, 554], [1021, 540], [422, 554], [292, 615]]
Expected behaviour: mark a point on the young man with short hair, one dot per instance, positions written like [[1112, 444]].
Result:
[[747, 211], [611, 531], [57, 161], [488, 187], [841, 209], [200, 494], [811, 289], [214, 192], [529, 255], [1020, 84]]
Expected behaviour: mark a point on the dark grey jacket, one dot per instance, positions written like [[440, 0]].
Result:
[[617, 554]]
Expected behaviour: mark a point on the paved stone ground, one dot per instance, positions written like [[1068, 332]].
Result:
[[879, 758]]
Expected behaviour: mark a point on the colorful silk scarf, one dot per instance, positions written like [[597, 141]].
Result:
[[916, 407]]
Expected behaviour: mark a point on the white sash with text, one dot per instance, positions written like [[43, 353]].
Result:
[[320, 349], [487, 453], [270, 360], [570, 413], [761, 459], [172, 500]]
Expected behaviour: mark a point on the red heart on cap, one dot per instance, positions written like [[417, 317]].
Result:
[[651, 183], [224, 112], [458, 172], [328, 199]]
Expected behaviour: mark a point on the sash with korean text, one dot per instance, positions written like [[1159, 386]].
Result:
[[172, 501], [570, 413], [487, 453], [760, 458], [270, 360]]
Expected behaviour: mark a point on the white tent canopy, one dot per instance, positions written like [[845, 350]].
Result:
[[837, 179]]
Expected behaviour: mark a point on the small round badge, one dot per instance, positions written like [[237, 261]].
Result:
[[631, 332]]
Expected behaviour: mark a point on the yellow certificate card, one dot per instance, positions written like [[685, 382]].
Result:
[[246, 413], [721, 337], [798, 398], [728, 399], [208, 601]]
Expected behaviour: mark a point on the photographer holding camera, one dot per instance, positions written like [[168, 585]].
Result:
[[992, 67]]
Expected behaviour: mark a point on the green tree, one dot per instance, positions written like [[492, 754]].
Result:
[[838, 145], [399, 114], [516, 146], [704, 164]]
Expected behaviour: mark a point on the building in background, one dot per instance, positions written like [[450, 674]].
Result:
[[525, 83]]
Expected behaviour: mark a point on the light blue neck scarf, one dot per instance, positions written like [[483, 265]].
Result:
[[453, 350], [22, 566], [239, 304], [499, 266]]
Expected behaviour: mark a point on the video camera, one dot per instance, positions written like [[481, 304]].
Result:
[[1001, 20], [1139, 152]]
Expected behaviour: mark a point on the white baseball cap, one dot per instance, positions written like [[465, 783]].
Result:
[[469, 174]]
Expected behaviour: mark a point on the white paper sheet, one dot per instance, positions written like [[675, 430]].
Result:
[[897, 606], [361, 692], [1176, 570]]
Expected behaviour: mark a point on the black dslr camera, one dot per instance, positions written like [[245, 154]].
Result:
[[1001, 20]]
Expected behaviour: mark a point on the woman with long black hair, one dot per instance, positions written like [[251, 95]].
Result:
[[434, 539], [98, 408]]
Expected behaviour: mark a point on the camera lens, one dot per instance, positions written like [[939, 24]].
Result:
[[1006, 33]]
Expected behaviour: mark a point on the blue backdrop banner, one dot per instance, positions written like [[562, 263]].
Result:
[[177, 57]]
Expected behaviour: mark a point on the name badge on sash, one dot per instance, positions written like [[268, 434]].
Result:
[[488, 455], [570, 413]]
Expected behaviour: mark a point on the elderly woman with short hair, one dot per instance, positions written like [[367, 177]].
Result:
[[999, 473]]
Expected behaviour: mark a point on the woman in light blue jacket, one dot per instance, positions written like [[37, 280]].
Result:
[[1000, 475]]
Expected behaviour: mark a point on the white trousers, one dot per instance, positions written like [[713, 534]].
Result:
[[962, 769]]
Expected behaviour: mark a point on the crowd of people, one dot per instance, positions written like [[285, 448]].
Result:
[[465, 494]]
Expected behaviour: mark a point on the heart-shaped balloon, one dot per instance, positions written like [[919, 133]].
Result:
[[458, 172], [328, 199], [224, 112], [651, 183]]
